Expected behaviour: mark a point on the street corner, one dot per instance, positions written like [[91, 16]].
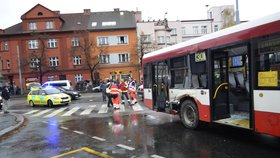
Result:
[[10, 122], [82, 152]]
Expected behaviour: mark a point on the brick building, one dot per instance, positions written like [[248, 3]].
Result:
[[66, 46]]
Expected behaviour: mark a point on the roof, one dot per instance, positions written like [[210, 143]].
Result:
[[232, 34], [112, 20]]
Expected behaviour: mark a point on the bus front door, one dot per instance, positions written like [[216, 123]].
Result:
[[220, 86]]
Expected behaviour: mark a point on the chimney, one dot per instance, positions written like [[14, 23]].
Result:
[[138, 15], [86, 11], [116, 9]]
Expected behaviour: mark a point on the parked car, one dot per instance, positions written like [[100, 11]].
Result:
[[74, 94], [47, 96], [60, 83], [140, 91], [96, 89]]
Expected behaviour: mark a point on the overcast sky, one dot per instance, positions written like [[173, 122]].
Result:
[[11, 10]]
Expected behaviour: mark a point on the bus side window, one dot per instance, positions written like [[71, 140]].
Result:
[[203, 80], [195, 81]]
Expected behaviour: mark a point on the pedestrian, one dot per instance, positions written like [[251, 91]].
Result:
[[124, 91], [132, 90], [108, 86], [114, 90], [103, 89], [5, 98]]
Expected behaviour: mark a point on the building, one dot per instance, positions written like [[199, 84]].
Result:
[[54, 46]]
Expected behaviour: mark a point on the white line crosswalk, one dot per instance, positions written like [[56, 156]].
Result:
[[82, 111]]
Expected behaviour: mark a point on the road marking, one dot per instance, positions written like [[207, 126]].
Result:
[[157, 156], [45, 122], [69, 113], [42, 112], [55, 112], [64, 128], [93, 152], [103, 109], [78, 132], [31, 112], [122, 109], [125, 147], [98, 138], [87, 111], [137, 107]]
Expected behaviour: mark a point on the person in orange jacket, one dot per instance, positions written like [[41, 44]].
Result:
[[124, 91], [132, 90], [114, 91]]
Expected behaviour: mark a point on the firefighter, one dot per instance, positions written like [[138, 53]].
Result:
[[132, 90], [108, 86], [114, 91], [124, 90]]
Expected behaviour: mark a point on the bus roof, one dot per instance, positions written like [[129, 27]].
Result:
[[255, 28]]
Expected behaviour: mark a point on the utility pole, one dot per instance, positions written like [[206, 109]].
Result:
[[19, 71], [237, 12]]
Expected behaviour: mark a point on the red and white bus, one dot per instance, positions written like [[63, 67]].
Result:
[[229, 77]]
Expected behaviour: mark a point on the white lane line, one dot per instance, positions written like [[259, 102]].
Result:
[[41, 113], [87, 111], [98, 138], [122, 109], [157, 156], [137, 107], [69, 113], [55, 112], [103, 109], [45, 122], [31, 112], [78, 132], [125, 147], [64, 128]]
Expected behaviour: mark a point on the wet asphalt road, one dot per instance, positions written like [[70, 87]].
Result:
[[130, 134]]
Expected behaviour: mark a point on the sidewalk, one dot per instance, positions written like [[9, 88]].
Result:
[[9, 122]]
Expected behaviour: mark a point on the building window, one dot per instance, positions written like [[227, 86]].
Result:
[[52, 43], [78, 77], [195, 29], [204, 29], [6, 46], [161, 40], [8, 64], [77, 60], [49, 25], [34, 62], [216, 28], [93, 24], [183, 30], [174, 32], [123, 58], [122, 39], [109, 23], [32, 26], [145, 38], [33, 44], [54, 61], [104, 59], [75, 42], [103, 40]]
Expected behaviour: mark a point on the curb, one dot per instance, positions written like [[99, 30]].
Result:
[[19, 118]]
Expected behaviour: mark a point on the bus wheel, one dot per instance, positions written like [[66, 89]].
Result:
[[31, 103], [189, 114], [50, 103]]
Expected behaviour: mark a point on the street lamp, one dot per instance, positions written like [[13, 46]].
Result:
[[237, 13], [165, 29]]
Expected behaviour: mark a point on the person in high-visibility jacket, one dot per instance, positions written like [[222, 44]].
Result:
[[114, 91], [124, 90], [132, 91]]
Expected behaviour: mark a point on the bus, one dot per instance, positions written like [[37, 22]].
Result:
[[229, 77]]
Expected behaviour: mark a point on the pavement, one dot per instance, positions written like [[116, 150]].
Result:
[[9, 123]]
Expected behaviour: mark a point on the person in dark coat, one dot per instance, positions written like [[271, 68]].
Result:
[[5, 97]]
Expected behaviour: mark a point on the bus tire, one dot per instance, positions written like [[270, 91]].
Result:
[[189, 114]]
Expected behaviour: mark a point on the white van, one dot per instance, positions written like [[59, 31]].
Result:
[[60, 83]]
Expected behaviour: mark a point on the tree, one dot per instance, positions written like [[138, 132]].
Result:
[[228, 18], [90, 51], [36, 61]]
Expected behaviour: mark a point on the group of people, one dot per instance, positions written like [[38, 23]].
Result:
[[113, 91]]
